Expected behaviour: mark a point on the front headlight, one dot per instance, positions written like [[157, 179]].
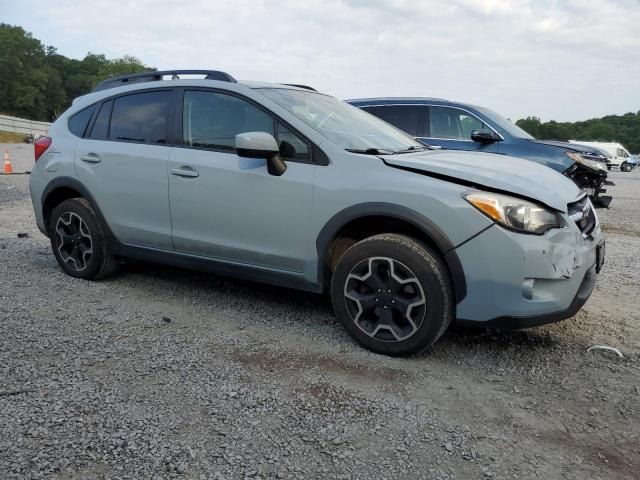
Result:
[[586, 161], [515, 213]]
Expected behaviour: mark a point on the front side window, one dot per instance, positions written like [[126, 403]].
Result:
[[212, 120], [453, 124], [141, 117], [469, 123], [291, 145], [621, 153], [345, 125], [408, 118]]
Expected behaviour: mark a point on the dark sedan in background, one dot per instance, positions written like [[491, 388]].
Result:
[[459, 126]]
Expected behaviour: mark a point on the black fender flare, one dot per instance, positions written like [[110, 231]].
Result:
[[426, 226], [75, 184]]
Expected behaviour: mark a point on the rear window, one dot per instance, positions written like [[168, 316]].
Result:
[[78, 122], [141, 117]]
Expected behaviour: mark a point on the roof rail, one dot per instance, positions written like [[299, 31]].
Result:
[[151, 76], [306, 87]]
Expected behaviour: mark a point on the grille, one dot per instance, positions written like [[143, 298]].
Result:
[[581, 212]]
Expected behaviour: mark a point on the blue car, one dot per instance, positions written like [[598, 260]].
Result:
[[459, 126]]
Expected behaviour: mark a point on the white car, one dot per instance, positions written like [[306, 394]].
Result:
[[620, 156]]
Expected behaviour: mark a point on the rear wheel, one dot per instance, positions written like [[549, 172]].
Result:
[[392, 294], [78, 241]]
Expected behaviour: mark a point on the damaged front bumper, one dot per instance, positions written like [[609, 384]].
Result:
[[548, 278], [593, 182]]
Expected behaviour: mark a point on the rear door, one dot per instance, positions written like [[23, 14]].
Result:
[[123, 162], [451, 127], [228, 207]]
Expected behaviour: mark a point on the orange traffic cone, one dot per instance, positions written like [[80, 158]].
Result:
[[8, 169]]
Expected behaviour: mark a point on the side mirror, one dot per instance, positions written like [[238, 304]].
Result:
[[261, 145], [483, 136]]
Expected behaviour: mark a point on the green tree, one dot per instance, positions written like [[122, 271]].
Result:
[[624, 129], [600, 131], [22, 79], [38, 83], [555, 131], [531, 125]]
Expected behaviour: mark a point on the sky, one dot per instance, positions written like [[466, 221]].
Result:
[[557, 60]]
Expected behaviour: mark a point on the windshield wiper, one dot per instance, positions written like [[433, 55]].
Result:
[[371, 151], [413, 148]]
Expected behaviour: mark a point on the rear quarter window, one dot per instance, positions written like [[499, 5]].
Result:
[[79, 121]]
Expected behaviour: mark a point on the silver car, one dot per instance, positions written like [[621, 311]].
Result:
[[285, 185]]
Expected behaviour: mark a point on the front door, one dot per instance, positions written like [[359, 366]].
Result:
[[228, 207]]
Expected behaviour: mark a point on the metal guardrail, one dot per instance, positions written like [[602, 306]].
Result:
[[20, 125]]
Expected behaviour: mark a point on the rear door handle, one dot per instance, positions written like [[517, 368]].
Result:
[[91, 158], [185, 171]]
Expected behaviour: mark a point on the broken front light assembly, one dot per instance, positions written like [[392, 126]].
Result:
[[515, 213], [589, 161]]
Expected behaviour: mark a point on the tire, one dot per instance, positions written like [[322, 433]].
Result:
[[78, 241], [625, 167], [417, 303]]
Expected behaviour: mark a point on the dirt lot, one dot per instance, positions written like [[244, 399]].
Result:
[[165, 373]]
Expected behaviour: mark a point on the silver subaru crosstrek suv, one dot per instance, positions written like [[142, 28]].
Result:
[[289, 186]]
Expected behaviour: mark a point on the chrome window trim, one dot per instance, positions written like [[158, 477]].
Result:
[[433, 105]]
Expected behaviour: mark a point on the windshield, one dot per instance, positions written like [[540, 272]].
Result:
[[511, 128], [346, 125]]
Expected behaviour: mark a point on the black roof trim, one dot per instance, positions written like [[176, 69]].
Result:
[[398, 100], [306, 87], [152, 76]]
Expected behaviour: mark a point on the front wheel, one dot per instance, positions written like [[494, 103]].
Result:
[[392, 294], [625, 167], [78, 241]]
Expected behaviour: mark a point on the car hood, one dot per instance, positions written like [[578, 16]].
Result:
[[574, 147], [495, 172]]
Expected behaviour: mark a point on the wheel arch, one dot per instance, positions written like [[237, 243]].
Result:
[[64, 188], [367, 219]]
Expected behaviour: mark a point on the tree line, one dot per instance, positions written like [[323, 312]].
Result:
[[38, 83], [624, 129]]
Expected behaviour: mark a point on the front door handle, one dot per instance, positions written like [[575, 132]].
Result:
[[185, 171], [91, 158]]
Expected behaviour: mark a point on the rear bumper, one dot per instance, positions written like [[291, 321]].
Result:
[[35, 191]]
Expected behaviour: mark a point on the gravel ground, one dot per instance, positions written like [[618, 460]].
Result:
[[166, 373], [20, 154]]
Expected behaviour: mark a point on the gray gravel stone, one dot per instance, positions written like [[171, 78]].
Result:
[[109, 389]]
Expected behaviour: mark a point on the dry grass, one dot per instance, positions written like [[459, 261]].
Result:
[[8, 137]]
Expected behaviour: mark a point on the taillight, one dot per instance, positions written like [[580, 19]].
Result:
[[41, 146]]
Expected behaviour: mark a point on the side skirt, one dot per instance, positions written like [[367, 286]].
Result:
[[270, 276]]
